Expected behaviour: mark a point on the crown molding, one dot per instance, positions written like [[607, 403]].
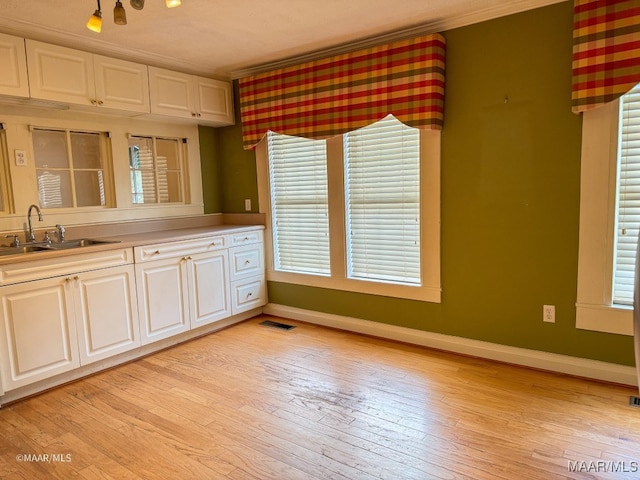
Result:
[[496, 11]]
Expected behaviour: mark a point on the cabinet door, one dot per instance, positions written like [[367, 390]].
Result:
[[106, 315], [209, 288], [38, 338], [60, 74], [214, 101], [163, 305], [13, 74], [171, 93], [120, 84]]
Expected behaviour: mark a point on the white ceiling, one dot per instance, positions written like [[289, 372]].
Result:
[[219, 37]]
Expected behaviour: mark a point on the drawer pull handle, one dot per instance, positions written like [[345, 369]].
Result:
[[247, 262], [157, 252]]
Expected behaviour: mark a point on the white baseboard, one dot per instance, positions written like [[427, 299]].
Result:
[[554, 362]]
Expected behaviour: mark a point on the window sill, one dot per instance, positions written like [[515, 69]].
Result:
[[605, 318], [420, 293]]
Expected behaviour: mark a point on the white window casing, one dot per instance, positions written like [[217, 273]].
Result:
[[427, 289]]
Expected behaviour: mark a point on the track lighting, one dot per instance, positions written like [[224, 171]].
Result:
[[95, 21], [119, 13]]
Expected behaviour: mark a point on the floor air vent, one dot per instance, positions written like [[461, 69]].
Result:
[[634, 401], [282, 326]]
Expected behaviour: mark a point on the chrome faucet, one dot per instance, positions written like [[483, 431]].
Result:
[[31, 237]]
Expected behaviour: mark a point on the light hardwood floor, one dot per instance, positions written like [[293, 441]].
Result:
[[254, 402]]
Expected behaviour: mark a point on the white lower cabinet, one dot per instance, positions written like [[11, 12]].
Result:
[[39, 332], [179, 293], [106, 313], [57, 315], [162, 298], [208, 288], [54, 325]]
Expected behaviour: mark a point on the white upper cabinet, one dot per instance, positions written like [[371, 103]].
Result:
[[81, 78], [208, 101], [13, 74], [121, 84]]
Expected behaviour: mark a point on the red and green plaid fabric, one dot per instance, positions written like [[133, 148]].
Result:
[[323, 98], [606, 51]]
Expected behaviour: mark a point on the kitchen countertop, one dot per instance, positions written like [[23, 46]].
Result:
[[131, 240]]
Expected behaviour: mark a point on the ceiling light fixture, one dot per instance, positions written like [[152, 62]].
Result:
[[95, 21], [119, 13]]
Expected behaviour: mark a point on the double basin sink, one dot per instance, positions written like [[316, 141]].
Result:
[[53, 246]]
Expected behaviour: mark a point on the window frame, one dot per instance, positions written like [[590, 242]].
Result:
[[430, 288], [594, 307], [106, 156], [183, 171], [6, 194]]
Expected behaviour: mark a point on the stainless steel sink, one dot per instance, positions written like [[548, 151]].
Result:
[[44, 247], [22, 249], [79, 243]]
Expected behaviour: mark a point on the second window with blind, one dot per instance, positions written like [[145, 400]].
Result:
[[358, 212]]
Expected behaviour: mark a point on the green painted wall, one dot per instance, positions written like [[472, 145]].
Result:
[[210, 165], [231, 171], [510, 196]]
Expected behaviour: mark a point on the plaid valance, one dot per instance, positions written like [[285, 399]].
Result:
[[323, 98], [606, 51]]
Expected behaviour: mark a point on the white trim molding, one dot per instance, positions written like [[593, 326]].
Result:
[[580, 367]]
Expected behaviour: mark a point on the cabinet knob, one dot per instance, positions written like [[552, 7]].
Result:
[[193, 114], [249, 295], [199, 115], [94, 101], [100, 102]]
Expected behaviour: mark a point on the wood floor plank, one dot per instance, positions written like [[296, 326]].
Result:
[[257, 403]]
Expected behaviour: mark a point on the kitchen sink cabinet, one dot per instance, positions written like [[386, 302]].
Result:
[[106, 313], [38, 337], [60, 322], [62, 316]]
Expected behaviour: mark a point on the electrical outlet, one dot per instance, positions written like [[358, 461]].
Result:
[[21, 158], [247, 204], [549, 313]]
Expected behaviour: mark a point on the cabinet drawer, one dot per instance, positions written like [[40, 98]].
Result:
[[245, 238], [159, 251], [247, 294], [246, 261]]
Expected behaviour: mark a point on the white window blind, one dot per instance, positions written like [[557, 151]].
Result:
[[299, 204], [382, 200], [628, 198]]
